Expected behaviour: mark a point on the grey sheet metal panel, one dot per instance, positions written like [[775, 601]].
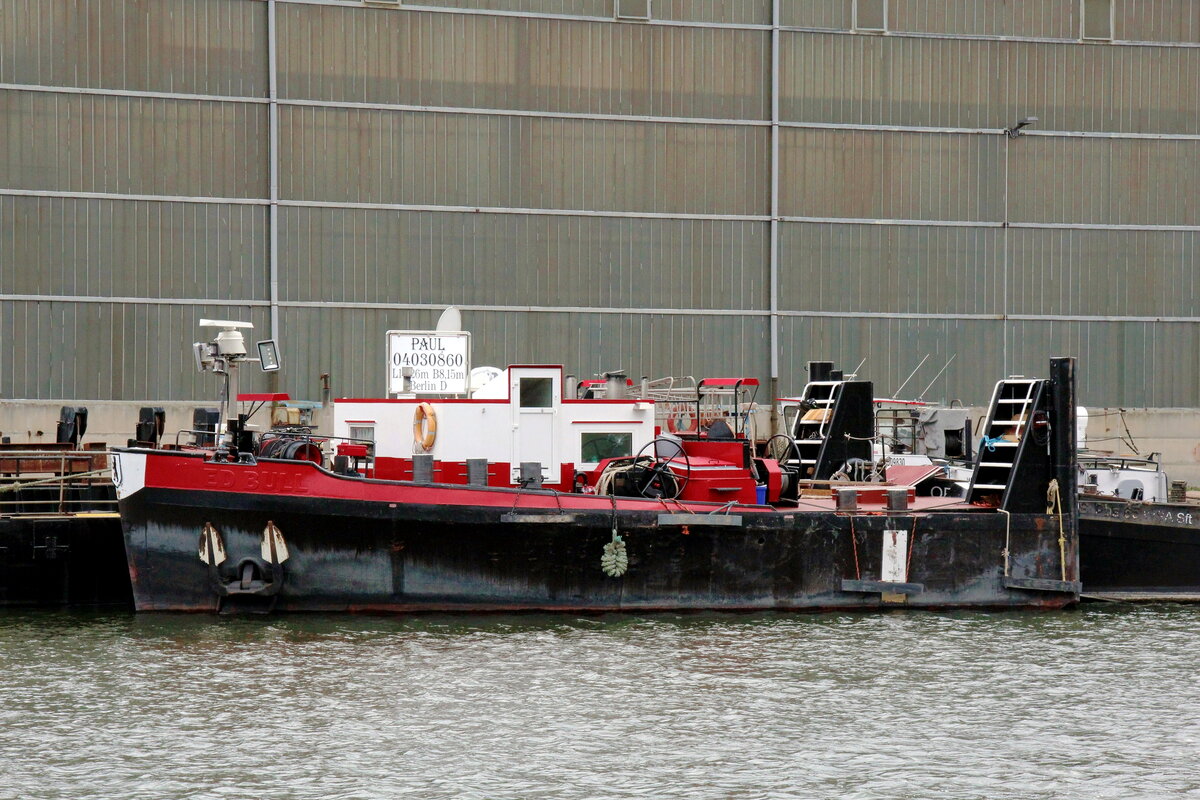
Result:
[[893, 348], [1134, 20], [1156, 20], [349, 344], [368, 256], [742, 12], [932, 82], [1104, 181], [371, 156], [135, 145], [891, 175], [1120, 363], [829, 14], [111, 351], [1053, 19], [214, 47], [961, 270], [349, 54], [1105, 273], [891, 269], [123, 248], [734, 12], [574, 8]]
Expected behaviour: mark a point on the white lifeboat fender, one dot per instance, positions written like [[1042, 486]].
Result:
[[424, 427], [212, 547], [274, 548]]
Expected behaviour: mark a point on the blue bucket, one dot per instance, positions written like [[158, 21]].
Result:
[[760, 493]]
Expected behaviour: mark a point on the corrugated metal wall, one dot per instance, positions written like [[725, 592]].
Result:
[[599, 192]]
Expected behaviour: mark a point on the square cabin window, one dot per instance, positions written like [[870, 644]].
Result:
[[537, 393], [366, 432], [870, 15], [1097, 19], [595, 447]]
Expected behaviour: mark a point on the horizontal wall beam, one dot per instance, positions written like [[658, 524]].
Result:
[[571, 115], [576, 212], [690, 312]]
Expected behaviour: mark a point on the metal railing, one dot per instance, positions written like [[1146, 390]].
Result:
[[29, 480]]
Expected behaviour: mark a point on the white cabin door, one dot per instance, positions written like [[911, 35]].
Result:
[[534, 425]]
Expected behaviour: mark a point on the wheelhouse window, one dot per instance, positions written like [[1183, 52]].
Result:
[[594, 447], [537, 393]]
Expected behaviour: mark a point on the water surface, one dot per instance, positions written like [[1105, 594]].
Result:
[[1102, 702]]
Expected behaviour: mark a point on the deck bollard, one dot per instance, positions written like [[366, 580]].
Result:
[[531, 474], [897, 499], [423, 468], [477, 471]]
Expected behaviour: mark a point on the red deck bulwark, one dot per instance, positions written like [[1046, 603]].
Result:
[[303, 479]]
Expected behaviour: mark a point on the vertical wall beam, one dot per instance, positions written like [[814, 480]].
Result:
[[775, 210], [1004, 266], [273, 156]]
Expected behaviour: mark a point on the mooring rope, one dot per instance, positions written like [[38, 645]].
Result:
[[57, 479], [854, 542], [1007, 538], [912, 537], [1053, 504]]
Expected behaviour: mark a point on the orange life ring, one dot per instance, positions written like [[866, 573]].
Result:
[[683, 422], [424, 426]]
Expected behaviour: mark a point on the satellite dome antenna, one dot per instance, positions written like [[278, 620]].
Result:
[[450, 321]]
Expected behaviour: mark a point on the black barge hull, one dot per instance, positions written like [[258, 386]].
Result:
[[1138, 551], [403, 547]]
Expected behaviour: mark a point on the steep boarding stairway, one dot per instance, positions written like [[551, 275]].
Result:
[[1013, 467], [834, 427], [1026, 462]]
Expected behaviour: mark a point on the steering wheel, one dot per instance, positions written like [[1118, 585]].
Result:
[[791, 445], [657, 476]]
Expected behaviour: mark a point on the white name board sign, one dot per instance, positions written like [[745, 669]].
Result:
[[436, 362]]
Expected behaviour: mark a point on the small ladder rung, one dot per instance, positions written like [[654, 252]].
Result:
[[1022, 400], [990, 486], [1010, 421], [995, 464]]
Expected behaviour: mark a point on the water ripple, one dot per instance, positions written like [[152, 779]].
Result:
[[1099, 703]]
